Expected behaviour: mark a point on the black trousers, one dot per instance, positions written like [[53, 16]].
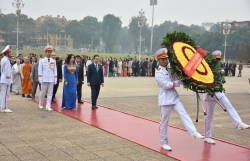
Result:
[[79, 91], [143, 72], [153, 71], [95, 89], [55, 90]]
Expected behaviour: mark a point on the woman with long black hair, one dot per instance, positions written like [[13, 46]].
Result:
[[70, 83]]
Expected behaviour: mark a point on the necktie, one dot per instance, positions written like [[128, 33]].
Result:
[[48, 59], [96, 67]]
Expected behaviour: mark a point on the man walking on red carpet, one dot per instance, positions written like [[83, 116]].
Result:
[[95, 79]]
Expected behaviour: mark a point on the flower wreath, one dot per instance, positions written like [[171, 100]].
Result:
[[207, 77]]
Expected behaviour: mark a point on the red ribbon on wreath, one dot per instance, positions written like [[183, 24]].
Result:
[[194, 62]]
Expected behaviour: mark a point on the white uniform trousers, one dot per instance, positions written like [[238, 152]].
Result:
[[165, 114], [5, 93], [44, 87], [210, 104]]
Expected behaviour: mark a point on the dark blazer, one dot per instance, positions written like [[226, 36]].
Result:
[[145, 64], [80, 72], [154, 64], [59, 69], [94, 77]]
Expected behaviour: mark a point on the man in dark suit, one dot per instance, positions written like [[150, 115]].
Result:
[[20, 56], [154, 64], [80, 71], [59, 75], [227, 68], [137, 66], [144, 67], [95, 79]]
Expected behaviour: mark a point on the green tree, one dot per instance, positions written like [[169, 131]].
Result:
[[111, 26], [207, 25], [8, 24], [244, 52], [124, 41], [74, 29], [27, 27], [90, 31]]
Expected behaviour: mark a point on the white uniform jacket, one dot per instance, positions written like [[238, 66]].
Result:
[[207, 97], [168, 95], [47, 71], [6, 76]]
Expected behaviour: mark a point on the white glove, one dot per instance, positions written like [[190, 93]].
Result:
[[40, 82], [55, 83]]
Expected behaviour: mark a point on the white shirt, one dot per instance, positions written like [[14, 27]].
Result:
[[47, 71], [6, 76], [168, 95]]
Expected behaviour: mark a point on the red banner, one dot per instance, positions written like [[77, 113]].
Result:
[[194, 62]]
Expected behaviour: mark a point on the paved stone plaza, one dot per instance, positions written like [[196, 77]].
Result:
[[32, 134]]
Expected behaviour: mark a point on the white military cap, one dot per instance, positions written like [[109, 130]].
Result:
[[217, 54], [48, 48], [6, 50], [161, 53]]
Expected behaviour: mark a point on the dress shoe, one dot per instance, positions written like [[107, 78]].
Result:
[[242, 126], [81, 102], [41, 106], [6, 110], [197, 135], [166, 147], [53, 101], [93, 107], [209, 140], [45, 96], [28, 96], [96, 107], [23, 95], [48, 109]]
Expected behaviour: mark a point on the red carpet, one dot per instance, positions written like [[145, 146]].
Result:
[[146, 133]]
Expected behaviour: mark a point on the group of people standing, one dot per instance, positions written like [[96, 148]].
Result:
[[24, 75], [126, 67], [230, 68]]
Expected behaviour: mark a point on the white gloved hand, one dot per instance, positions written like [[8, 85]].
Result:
[[55, 83], [40, 82]]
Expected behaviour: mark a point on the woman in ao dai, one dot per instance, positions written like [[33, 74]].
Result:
[[70, 83]]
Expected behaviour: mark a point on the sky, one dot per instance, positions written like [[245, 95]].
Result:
[[186, 12]]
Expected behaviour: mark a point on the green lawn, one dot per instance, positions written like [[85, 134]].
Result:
[[63, 54]]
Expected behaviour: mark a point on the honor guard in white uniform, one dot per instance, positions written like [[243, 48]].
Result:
[[169, 99], [222, 99], [47, 76], [6, 79]]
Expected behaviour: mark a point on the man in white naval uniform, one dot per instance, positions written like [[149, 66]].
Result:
[[210, 104], [6, 79], [47, 76], [169, 99]]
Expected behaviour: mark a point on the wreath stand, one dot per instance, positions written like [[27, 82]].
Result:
[[199, 103]]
